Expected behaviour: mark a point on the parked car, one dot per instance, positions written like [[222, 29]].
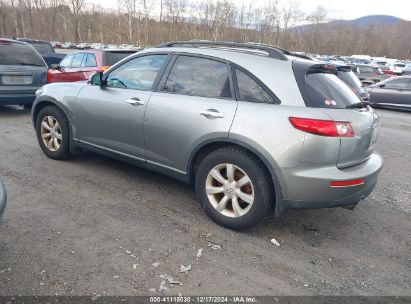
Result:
[[80, 65], [393, 92], [211, 113], [346, 74], [56, 44], [407, 69], [22, 72], [3, 200], [46, 50], [369, 74], [97, 46], [83, 46], [112, 46], [396, 67], [68, 45], [386, 70]]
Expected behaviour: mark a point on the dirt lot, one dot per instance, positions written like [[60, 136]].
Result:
[[95, 225]]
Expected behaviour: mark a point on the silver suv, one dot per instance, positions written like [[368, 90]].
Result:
[[249, 125]]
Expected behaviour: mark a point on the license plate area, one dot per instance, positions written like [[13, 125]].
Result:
[[17, 79]]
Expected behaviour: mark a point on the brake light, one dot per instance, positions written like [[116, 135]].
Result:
[[348, 183], [49, 76], [104, 67], [323, 127]]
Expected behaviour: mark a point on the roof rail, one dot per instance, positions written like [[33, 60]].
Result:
[[272, 52]]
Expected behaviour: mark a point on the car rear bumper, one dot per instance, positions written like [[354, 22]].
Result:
[[3, 200], [311, 188], [17, 99]]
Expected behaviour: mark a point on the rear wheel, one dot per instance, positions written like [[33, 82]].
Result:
[[233, 188], [52, 130]]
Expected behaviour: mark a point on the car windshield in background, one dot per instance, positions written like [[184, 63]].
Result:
[[327, 91], [114, 57], [41, 47], [350, 78], [399, 65], [19, 54]]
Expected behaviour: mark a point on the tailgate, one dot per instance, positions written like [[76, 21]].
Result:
[[21, 79], [357, 149]]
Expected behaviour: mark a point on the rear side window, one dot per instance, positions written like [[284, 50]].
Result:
[[114, 57], [250, 90], [199, 77], [19, 54], [77, 60], [326, 90], [91, 61]]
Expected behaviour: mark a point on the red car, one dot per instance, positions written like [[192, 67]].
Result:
[[80, 65], [386, 70]]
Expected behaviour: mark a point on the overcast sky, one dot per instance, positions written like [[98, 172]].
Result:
[[337, 9]]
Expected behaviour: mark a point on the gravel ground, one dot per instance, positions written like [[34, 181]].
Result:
[[95, 225]]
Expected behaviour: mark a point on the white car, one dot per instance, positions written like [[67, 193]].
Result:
[[396, 67]]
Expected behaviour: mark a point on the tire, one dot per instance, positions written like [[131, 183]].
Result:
[[60, 150], [259, 188]]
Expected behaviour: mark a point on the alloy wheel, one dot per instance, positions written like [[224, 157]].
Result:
[[51, 133], [229, 190]]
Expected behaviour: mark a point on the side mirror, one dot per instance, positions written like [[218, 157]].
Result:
[[97, 79], [55, 66]]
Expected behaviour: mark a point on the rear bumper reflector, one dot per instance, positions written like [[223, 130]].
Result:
[[348, 183]]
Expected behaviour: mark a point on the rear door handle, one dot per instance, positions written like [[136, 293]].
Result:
[[135, 101], [212, 114]]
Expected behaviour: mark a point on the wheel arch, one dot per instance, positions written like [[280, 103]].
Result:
[[211, 145], [41, 104]]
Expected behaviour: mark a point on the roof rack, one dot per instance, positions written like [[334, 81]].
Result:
[[272, 51]]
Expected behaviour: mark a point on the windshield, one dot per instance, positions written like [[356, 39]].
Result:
[[399, 65], [114, 57], [19, 54], [351, 79], [325, 90]]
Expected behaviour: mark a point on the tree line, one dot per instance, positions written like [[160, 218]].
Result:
[[150, 22]]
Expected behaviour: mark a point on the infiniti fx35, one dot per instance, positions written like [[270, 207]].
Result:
[[247, 124]]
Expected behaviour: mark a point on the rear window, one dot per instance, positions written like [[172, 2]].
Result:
[[325, 90], [114, 57], [19, 54], [41, 47], [350, 78]]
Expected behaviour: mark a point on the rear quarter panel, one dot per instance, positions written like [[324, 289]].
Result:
[[266, 127]]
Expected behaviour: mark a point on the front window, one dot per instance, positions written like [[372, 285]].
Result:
[[138, 73], [325, 90]]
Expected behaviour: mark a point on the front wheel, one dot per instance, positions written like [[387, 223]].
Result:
[[233, 188], [52, 130]]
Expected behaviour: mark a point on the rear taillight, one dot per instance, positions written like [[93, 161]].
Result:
[[104, 67], [49, 77], [323, 127]]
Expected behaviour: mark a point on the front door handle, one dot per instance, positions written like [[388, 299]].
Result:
[[135, 101], [212, 114]]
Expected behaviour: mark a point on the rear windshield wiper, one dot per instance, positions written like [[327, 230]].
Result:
[[358, 105]]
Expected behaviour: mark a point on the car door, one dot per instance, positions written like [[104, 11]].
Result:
[[59, 75], [194, 103], [392, 91], [75, 71], [111, 116]]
